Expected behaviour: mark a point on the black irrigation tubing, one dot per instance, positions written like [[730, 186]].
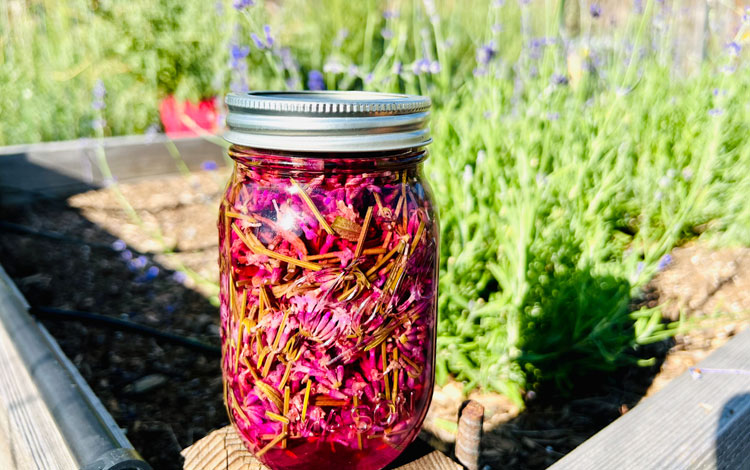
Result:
[[124, 325]]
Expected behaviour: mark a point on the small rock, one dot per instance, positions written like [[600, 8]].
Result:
[[204, 319], [453, 391], [213, 330], [146, 384]]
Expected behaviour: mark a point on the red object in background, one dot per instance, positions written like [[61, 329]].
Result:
[[181, 118]]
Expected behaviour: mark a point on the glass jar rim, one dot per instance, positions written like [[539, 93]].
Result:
[[326, 162], [328, 121]]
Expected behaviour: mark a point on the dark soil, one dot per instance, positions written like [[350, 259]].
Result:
[[84, 254], [165, 396]]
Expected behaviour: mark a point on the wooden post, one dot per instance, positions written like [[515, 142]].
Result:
[[469, 436]]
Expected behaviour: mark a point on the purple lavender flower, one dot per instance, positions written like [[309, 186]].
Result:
[[638, 6], [558, 79], [537, 45], [209, 165], [269, 37], [151, 132], [734, 49], [639, 267], [368, 78], [99, 89], [242, 4], [180, 277], [595, 10], [665, 261], [486, 53], [98, 124], [435, 67], [397, 68], [386, 33], [238, 64], [119, 245], [237, 53], [257, 41], [421, 66], [126, 255], [99, 92], [390, 14], [315, 80], [239, 85], [715, 112], [746, 15], [151, 273]]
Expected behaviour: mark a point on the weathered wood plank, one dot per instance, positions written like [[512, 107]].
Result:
[[49, 417], [223, 450], [698, 421], [29, 438], [60, 169]]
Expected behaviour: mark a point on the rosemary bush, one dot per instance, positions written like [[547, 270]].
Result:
[[569, 158]]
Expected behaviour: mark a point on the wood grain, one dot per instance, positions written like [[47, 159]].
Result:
[[29, 438], [695, 422], [60, 169], [469, 435], [223, 450]]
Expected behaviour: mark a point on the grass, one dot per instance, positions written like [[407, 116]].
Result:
[[566, 165]]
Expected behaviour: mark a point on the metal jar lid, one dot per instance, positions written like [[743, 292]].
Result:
[[328, 121]]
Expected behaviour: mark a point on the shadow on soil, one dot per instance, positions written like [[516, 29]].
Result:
[[553, 424], [579, 390], [165, 396]]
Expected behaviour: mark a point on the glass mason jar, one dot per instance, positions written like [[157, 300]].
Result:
[[328, 257]]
